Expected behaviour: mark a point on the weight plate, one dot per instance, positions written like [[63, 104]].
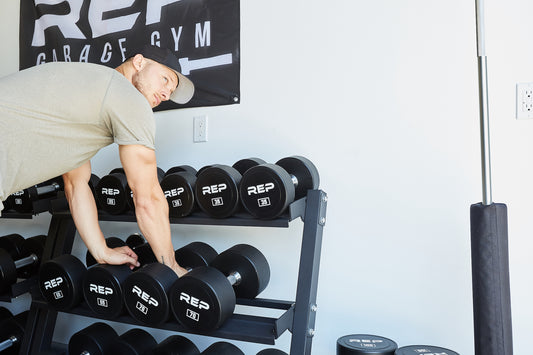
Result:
[[195, 254], [96, 339], [360, 344], [252, 266], [179, 191], [244, 164], [424, 350], [217, 191], [202, 299], [60, 281], [266, 190], [111, 192], [145, 293], [102, 289], [304, 171]]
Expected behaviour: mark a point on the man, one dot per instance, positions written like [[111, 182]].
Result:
[[55, 117]]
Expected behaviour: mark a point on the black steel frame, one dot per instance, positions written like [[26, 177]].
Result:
[[297, 316]]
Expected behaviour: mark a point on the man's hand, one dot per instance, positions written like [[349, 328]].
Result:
[[118, 256]]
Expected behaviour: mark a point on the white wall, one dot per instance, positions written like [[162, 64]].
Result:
[[382, 96]]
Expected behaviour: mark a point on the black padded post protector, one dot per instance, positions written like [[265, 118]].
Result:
[[490, 279]]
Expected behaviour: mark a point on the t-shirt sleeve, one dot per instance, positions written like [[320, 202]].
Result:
[[128, 114]]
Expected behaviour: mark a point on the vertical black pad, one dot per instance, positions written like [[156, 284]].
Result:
[[490, 279]]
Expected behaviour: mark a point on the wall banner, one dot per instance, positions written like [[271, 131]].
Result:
[[204, 35]]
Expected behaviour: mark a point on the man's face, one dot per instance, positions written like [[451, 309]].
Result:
[[155, 81]]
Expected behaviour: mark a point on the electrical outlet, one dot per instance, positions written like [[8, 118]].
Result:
[[524, 100], [200, 129]]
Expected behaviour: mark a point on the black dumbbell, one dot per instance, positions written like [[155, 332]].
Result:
[[12, 332], [146, 290], [61, 278], [129, 193], [271, 352], [266, 190], [22, 201], [205, 298], [101, 339], [222, 348], [12, 243], [176, 345], [217, 187], [365, 344], [424, 350], [93, 183], [178, 186], [28, 263]]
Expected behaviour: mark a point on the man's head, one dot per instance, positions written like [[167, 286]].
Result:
[[156, 73]]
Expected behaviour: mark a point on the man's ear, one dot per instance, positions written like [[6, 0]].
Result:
[[138, 62]]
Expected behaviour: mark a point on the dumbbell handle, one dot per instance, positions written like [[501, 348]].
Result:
[[6, 344], [26, 261], [234, 278]]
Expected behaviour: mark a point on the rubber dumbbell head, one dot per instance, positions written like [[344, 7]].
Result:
[[181, 168], [217, 190], [361, 344], [9, 267], [244, 164], [111, 192], [205, 298], [12, 243], [179, 188], [60, 281], [222, 348], [134, 342], [424, 350], [176, 345], [266, 190], [271, 352], [96, 339], [12, 332]]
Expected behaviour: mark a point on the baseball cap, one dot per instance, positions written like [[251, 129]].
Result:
[[185, 89]]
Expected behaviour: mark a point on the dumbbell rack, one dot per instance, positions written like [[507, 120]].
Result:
[[297, 316]]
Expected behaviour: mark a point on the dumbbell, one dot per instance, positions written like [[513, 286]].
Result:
[[217, 187], [146, 290], [26, 265], [111, 192], [360, 344], [204, 298], [102, 289], [222, 348], [101, 339], [61, 278], [12, 332], [424, 350], [266, 190], [176, 345], [178, 186], [22, 201], [271, 352], [129, 193]]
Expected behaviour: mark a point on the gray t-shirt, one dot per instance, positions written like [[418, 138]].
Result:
[[56, 116]]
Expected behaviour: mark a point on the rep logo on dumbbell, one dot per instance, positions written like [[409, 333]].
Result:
[[205, 298]]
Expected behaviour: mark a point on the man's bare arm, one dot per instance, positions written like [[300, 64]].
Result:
[[151, 208], [85, 216]]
